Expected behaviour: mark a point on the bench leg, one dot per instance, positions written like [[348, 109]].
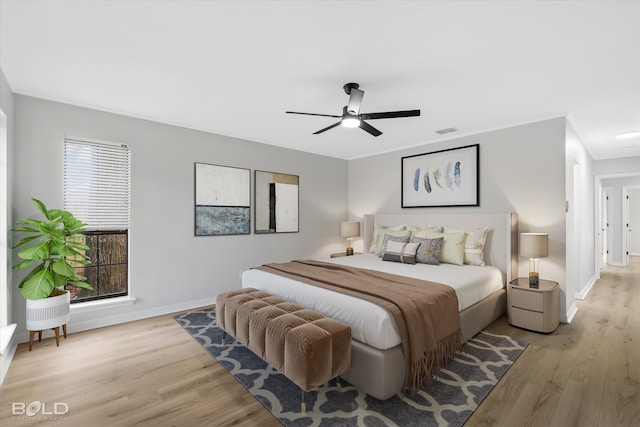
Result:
[[303, 402], [338, 384], [224, 336]]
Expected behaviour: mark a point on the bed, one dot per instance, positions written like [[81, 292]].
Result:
[[377, 357]]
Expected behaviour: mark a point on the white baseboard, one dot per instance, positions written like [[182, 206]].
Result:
[[571, 313], [583, 293], [7, 357]]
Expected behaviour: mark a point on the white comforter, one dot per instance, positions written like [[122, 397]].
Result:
[[370, 323]]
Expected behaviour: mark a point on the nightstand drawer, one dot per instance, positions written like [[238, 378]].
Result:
[[529, 300], [527, 319]]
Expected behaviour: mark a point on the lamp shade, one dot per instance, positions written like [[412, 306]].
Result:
[[534, 245], [350, 229]]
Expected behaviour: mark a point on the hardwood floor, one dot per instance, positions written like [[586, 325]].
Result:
[[151, 372]]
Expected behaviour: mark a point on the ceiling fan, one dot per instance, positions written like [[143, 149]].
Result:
[[351, 116]]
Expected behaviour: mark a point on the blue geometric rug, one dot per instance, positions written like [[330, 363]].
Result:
[[447, 400]]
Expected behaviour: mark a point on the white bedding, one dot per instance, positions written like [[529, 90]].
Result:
[[370, 323]]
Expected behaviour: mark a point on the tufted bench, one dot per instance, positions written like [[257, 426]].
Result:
[[303, 345]]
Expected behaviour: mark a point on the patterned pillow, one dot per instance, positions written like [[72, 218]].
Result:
[[421, 231], [473, 245], [429, 250], [403, 252], [389, 238]]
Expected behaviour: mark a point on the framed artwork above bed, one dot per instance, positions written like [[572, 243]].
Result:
[[442, 178]]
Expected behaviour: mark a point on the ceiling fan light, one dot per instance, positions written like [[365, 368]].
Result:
[[350, 121]]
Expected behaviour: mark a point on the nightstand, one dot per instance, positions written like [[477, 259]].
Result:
[[536, 309], [339, 254]]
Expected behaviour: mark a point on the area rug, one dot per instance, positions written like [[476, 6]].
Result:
[[449, 399]]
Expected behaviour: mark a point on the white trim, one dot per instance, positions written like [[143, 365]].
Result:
[[571, 313], [581, 295], [6, 358], [102, 304], [6, 332]]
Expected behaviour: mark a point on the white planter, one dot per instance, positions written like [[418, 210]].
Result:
[[49, 312]]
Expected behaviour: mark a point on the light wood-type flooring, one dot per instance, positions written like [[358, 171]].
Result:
[[152, 373]]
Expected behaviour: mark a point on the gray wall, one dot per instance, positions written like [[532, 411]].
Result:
[[170, 269], [522, 169]]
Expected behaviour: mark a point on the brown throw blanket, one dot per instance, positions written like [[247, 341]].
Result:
[[426, 313]]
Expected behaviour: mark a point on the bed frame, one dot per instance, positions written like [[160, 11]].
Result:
[[380, 373]]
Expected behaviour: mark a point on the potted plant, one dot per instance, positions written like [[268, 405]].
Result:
[[54, 246]]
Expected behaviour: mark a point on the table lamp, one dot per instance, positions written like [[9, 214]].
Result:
[[350, 229], [534, 246]]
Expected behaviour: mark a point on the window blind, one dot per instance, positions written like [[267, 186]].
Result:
[[97, 183]]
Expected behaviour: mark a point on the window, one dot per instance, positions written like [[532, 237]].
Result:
[[97, 178]]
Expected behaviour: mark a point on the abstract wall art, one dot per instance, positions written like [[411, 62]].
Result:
[[276, 202], [222, 200], [442, 178]]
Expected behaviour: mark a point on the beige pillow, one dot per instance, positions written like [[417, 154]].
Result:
[[474, 245], [376, 241], [452, 251]]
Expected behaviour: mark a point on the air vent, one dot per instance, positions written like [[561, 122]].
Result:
[[447, 130]]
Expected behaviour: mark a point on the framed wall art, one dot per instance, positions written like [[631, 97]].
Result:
[[442, 178], [222, 200], [276, 202]]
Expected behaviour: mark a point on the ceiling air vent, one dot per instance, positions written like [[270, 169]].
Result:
[[447, 130]]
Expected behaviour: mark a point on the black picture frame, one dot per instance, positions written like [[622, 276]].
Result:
[[444, 178]]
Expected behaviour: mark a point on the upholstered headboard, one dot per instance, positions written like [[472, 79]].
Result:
[[501, 247]]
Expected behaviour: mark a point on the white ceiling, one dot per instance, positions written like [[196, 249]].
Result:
[[235, 67]]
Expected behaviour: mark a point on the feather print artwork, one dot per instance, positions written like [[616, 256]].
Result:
[[427, 185], [447, 176], [416, 180], [456, 175], [436, 176]]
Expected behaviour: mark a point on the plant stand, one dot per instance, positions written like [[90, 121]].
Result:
[[48, 313], [56, 330]]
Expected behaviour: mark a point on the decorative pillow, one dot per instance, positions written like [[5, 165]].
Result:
[[429, 250], [384, 234], [378, 235], [421, 231], [388, 238], [400, 252], [474, 245], [452, 251]]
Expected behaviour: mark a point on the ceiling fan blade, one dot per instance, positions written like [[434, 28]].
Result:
[[355, 100], [366, 126], [327, 128], [312, 114], [390, 114]]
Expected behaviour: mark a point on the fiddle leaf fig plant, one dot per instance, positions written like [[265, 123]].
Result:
[[55, 245]]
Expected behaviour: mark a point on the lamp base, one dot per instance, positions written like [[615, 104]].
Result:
[[534, 280]]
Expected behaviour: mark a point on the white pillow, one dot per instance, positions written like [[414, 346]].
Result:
[[421, 231], [474, 245]]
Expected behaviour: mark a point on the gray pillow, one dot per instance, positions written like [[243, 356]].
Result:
[[429, 250]]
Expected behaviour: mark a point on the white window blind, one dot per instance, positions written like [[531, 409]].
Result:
[[97, 183]]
